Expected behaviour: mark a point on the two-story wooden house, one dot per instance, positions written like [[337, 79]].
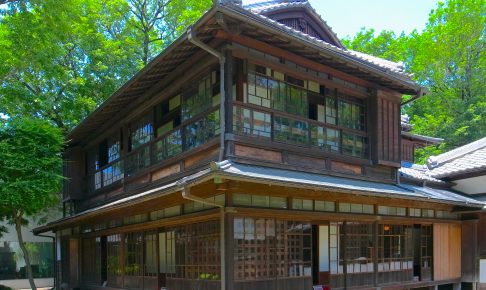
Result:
[[255, 152]]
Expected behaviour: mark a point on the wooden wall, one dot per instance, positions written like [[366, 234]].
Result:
[[74, 170], [388, 122], [408, 150], [469, 252], [447, 251], [482, 235]]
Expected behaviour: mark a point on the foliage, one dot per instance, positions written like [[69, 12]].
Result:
[[62, 59], [31, 165], [385, 45], [448, 58], [30, 173]]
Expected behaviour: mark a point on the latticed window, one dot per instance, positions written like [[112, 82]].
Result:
[[333, 121], [395, 253], [202, 130], [114, 263], [267, 249]]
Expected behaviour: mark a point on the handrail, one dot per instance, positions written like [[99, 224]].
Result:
[[133, 154], [299, 118], [309, 122]]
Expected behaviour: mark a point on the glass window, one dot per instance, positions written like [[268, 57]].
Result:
[[354, 145], [320, 205], [134, 254], [445, 214], [168, 146], [255, 200], [198, 99], [252, 122], [351, 115], [167, 252], [266, 249], [325, 138], [395, 253], [359, 254], [427, 213], [198, 206], [141, 132], [166, 212], [202, 130], [150, 253], [390, 210], [415, 212], [266, 92], [356, 208], [302, 204], [114, 265], [192, 252], [290, 130], [331, 112]]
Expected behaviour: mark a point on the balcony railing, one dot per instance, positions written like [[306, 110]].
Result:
[[263, 123], [168, 145]]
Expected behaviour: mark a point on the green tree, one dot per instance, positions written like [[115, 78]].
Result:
[[60, 60], [30, 173], [448, 58], [385, 45]]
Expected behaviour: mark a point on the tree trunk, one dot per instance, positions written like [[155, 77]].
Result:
[[18, 228], [145, 48]]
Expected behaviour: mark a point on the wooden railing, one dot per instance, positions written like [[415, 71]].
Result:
[[306, 135], [181, 139]]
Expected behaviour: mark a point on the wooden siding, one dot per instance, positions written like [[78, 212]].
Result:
[[74, 170], [385, 128], [482, 235], [166, 171], [469, 251], [301, 24], [257, 153], [408, 150], [447, 251]]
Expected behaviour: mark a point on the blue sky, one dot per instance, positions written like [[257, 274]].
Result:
[[346, 17]]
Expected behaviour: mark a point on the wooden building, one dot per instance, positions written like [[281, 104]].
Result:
[[462, 170], [255, 152]]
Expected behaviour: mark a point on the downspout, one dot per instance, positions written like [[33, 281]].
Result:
[[186, 194], [54, 261], [222, 60]]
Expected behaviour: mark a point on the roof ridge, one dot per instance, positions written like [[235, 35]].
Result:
[[436, 161]]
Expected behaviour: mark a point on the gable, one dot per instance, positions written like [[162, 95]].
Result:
[[298, 15]]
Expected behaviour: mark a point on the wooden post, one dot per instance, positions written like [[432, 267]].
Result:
[[229, 251]]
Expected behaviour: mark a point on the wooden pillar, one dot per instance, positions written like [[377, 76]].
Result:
[[373, 126], [230, 72], [376, 230], [229, 250]]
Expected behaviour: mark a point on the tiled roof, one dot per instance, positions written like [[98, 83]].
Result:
[[417, 172], [300, 179], [426, 139], [465, 159], [267, 175], [266, 6]]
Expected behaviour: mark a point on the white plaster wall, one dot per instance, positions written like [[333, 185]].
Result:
[[472, 185], [28, 236]]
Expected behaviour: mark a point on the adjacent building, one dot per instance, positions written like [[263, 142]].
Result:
[[462, 170], [255, 152]]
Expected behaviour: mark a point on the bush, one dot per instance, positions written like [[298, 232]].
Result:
[[5, 288]]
